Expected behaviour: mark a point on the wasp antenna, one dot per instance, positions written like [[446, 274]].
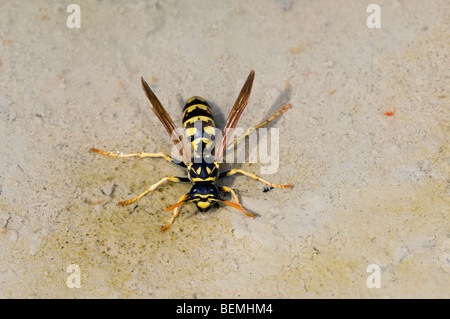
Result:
[[168, 209]]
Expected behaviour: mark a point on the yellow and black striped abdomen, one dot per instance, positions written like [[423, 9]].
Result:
[[199, 126]]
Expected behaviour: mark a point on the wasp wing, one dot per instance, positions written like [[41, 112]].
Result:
[[233, 118], [168, 123]]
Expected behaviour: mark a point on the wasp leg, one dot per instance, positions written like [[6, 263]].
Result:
[[154, 186], [180, 202], [252, 129], [140, 154], [235, 198], [255, 177]]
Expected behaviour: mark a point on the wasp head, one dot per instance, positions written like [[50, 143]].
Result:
[[203, 194]]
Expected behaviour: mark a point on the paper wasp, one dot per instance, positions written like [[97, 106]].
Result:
[[202, 166]]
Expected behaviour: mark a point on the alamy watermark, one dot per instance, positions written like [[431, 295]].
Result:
[[374, 279], [374, 19], [74, 279], [74, 19], [263, 147]]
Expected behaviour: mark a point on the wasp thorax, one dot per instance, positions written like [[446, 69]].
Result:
[[203, 171]]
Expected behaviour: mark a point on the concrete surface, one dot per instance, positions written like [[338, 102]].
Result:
[[370, 189]]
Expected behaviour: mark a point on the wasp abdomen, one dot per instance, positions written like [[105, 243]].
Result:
[[198, 122]]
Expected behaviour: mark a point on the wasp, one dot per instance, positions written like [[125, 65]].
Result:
[[203, 163]]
